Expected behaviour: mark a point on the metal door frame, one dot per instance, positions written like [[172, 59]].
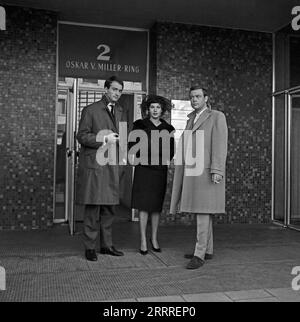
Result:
[[71, 103], [288, 94], [62, 94], [291, 94], [70, 156], [275, 221]]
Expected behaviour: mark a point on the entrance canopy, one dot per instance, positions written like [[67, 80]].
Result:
[[256, 15]]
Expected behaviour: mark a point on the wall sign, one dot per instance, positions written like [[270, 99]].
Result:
[[99, 52], [179, 116]]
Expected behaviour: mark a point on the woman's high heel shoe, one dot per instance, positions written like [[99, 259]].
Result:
[[158, 250], [144, 252]]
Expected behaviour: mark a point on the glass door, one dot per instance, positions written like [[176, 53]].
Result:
[[294, 109], [279, 158], [286, 158], [60, 165], [65, 154]]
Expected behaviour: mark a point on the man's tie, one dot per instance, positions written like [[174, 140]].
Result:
[[111, 109]]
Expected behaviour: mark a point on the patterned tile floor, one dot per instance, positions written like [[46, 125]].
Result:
[[251, 263]]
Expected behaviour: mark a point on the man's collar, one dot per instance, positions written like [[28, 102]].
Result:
[[194, 114], [108, 101], [200, 111]]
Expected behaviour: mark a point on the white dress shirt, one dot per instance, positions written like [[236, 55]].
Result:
[[111, 108], [198, 115]]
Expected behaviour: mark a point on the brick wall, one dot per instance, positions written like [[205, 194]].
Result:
[[236, 67], [27, 113]]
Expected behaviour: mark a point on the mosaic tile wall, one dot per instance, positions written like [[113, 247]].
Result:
[[27, 113], [236, 67]]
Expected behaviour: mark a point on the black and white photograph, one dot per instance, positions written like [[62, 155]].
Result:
[[149, 154]]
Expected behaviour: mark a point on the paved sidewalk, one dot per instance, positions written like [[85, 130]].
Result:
[[251, 263], [260, 295]]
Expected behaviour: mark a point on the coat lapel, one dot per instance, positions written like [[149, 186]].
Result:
[[203, 117], [118, 116], [118, 113], [189, 124]]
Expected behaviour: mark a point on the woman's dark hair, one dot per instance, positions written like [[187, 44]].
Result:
[[109, 81], [164, 103]]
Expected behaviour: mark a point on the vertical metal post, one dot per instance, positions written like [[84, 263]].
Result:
[[68, 151], [56, 126], [288, 181], [70, 158], [73, 156], [273, 130], [286, 159], [273, 160]]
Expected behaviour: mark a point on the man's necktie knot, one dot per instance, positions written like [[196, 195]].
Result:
[[111, 108]]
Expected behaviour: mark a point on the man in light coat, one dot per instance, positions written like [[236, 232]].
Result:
[[98, 184], [200, 187]]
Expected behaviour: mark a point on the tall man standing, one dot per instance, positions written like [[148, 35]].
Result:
[[202, 193], [98, 185]]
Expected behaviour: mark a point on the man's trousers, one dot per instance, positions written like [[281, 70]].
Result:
[[105, 214], [204, 244]]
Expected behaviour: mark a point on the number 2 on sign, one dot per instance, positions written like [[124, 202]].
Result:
[[296, 280], [104, 51]]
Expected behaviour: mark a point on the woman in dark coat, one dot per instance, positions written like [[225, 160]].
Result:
[[152, 157]]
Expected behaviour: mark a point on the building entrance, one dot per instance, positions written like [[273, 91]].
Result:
[[73, 96], [286, 156]]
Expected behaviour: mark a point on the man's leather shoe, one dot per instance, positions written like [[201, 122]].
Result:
[[195, 262], [111, 251], [207, 256], [90, 255], [188, 256]]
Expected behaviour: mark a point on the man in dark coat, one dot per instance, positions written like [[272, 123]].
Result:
[[98, 184]]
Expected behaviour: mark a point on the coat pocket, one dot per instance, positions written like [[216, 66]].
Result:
[[90, 151], [90, 161]]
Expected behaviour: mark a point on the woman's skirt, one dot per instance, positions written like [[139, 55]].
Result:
[[149, 188]]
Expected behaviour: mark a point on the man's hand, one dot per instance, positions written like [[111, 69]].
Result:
[[111, 138], [216, 178]]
